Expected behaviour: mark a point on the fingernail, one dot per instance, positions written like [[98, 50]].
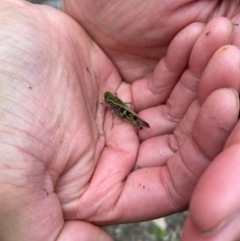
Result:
[[237, 98], [221, 225], [235, 93]]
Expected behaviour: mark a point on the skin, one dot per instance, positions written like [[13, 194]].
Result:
[[64, 171]]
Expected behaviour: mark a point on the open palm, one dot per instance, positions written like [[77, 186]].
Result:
[[64, 165]]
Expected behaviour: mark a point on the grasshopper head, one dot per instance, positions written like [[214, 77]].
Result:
[[108, 97]]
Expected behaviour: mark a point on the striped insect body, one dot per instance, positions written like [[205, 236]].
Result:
[[123, 111]]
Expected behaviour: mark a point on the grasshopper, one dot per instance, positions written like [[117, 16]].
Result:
[[123, 111]]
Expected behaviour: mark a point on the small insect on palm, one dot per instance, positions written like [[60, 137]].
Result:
[[123, 111]]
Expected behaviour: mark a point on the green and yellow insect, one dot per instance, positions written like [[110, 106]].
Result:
[[123, 111]]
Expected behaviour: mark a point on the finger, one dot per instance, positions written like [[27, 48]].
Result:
[[209, 207], [192, 47], [218, 32], [222, 71], [82, 231], [190, 233], [164, 146], [215, 205], [172, 185], [165, 118], [217, 106], [155, 89]]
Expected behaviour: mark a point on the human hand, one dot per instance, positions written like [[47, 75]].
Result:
[[61, 161], [53, 131], [135, 34]]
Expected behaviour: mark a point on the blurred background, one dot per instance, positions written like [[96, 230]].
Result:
[[162, 229]]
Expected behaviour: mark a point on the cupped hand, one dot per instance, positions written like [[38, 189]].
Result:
[[64, 168], [135, 34]]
